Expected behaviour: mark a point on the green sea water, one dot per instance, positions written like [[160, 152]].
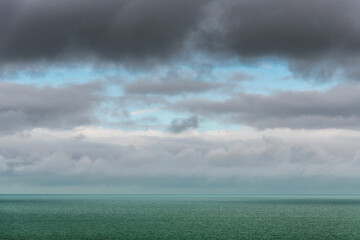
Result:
[[178, 217]]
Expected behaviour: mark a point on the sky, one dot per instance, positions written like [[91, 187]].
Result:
[[180, 97]]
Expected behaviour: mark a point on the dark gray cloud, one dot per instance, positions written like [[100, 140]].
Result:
[[316, 38], [25, 106], [180, 125], [335, 108], [111, 29], [290, 28]]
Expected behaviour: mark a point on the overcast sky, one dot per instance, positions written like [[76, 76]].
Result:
[[180, 96]]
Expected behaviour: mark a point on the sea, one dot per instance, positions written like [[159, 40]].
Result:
[[179, 217]]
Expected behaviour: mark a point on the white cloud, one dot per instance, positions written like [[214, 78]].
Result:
[[192, 158]]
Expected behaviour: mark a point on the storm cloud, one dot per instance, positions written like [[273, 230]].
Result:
[[315, 38], [110, 30], [290, 28]]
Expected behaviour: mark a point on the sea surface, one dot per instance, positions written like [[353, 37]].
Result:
[[178, 217]]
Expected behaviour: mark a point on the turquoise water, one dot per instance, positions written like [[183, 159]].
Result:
[[178, 217]]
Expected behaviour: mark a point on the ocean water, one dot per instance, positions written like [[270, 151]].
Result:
[[178, 217]]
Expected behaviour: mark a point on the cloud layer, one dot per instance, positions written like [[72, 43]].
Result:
[[168, 87], [334, 108], [26, 106], [157, 59], [110, 30], [155, 159], [315, 38]]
